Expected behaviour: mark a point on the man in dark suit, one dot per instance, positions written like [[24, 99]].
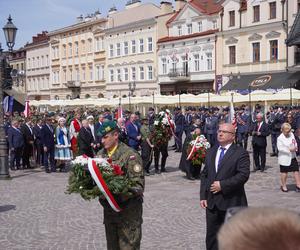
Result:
[[15, 143], [28, 136], [133, 132], [98, 124], [179, 128], [37, 143], [227, 169], [85, 140], [260, 131], [47, 140]]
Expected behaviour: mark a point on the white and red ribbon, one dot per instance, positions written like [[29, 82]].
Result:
[[97, 176], [171, 124], [193, 148]]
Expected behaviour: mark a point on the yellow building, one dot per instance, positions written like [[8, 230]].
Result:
[[77, 59]]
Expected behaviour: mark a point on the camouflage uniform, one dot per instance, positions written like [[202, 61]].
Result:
[[124, 229]]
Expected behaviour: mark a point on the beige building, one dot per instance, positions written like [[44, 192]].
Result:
[[38, 68], [131, 47], [77, 59]]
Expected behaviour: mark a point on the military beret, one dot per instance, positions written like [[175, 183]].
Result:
[[107, 127]]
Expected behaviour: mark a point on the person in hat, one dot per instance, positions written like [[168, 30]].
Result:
[[146, 146], [151, 118], [62, 153], [123, 229]]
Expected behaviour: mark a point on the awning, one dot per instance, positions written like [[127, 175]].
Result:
[[294, 35], [18, 96], [272, 82]]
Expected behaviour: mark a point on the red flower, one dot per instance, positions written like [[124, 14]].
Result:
[[117, 170], [109, 160]]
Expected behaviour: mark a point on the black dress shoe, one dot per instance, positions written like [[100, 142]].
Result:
[[284, 190], [157, 171], [191, 178], [297, 189], [48, 171], [163, 170], [273, 154], [178, 151]]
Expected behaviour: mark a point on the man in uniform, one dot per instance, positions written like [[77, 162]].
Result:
[[123, 229], [243, 126]]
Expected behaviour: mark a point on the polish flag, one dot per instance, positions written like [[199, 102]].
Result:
[[27, 109], [120, 112]]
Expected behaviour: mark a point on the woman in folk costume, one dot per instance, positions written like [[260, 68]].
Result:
[[74, 130], [62, 144]]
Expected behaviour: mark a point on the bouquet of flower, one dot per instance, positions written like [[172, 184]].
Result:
[[81, 180], [196, 150], [163, 128]]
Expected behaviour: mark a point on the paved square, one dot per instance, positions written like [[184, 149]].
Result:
[[35, 213]]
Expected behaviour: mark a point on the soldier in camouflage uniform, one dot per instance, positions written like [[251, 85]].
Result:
[[123, 229]]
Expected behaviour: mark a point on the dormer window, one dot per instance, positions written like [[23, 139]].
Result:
[[179, 30], [231, 18], [189, 28], [200, 26]]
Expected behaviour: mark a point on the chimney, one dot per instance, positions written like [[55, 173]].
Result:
[[97, 14], [112, 10], [79, 19], [166, 7], [132, 4], [179, 4]]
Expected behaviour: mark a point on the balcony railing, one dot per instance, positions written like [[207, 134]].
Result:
[[179, 74], [297, 58]]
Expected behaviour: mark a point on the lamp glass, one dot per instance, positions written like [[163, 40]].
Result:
[[10, 32]]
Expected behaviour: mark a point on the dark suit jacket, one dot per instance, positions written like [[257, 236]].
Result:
[[261, 140], [233, 173], [15, 138], [132, 134], [84, 140], [47, 137], [37, 134], [179, 122], [96, 131], [28, 136]]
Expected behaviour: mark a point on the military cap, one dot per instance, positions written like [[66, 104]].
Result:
[[151, 109], [107, 127]]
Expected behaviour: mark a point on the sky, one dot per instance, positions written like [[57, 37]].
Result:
[[33, 16]]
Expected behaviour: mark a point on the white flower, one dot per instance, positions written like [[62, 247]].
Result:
[[156, 123]]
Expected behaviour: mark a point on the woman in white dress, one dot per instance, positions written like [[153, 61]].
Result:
[[287, 148], [63, 152]]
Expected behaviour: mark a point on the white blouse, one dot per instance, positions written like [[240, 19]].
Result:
[[283, 144]]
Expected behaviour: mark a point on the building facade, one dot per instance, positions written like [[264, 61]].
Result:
[[131, 48], [252, 38], [77, 59], [38, 68]]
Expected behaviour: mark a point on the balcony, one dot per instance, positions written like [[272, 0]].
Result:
[[179, 75]]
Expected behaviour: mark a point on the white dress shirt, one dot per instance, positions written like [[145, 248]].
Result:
[[218, 154]]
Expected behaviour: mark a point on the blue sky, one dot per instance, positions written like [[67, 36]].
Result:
[[33, 16]]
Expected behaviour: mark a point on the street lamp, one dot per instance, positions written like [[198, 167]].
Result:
[[131, 87], [10, 32]]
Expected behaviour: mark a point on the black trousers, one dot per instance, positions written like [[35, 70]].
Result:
[[39, 154], [163, 149], [178, 140], [27, 152], [242, 139], [15, 156], [49, 157], [214, 220], [146, 155], [259, 156]]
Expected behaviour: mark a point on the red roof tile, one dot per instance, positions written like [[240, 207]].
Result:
[[175, 38]]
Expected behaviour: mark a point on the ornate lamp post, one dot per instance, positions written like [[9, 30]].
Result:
[[10, 32], [131, 87]]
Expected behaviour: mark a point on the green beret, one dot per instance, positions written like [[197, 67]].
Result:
[[107, 127]]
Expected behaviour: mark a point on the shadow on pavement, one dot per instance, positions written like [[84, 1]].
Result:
[[6, 208]]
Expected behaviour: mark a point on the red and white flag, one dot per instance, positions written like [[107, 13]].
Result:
[[97, 176], [27, 109], [120, 112]]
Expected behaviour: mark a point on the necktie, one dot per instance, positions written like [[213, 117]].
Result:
[[221, 156]]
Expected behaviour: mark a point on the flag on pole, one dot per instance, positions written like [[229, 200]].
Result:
[[232, 113], [120, 112], [27, 109]]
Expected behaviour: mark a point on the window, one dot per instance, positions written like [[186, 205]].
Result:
[[29, 63], [141, 45], [99, 73], [256, 52], [200, 26], [256, 14], [133, 73], [64, 75], [133, 47], [47, 60], [111, 75], [37, 62], [164, 65], [83, 73], [111, 50], [298, 5], [118, 49], [184, 60], [125, 48], [150, 72], [142, 73], [274, 50], [232, 55], [214, 24], [90, 45], [91, 73], [231, 18], [209, 61], [179, 29], [272, 10], [189, 28], [71, 74], [174, 65], [76, 49], [64, 51], [99, 44], [119, 75], [82, 47], [42, 62], [126, 78], [70, 49], [197, 62], [77, 75], [150, 44]]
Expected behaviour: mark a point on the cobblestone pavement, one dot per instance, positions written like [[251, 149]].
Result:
[[35, 213]]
